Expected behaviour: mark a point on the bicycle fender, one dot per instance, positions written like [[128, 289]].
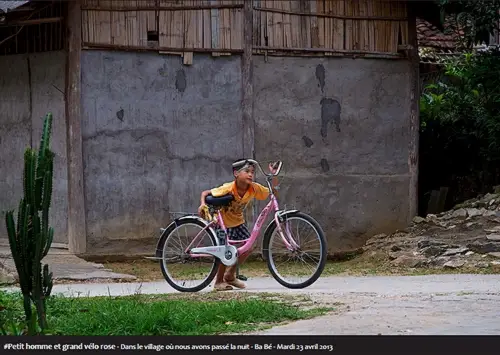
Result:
[[174, 222], [280, 214]]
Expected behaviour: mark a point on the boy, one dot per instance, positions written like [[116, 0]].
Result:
[[244, 189]]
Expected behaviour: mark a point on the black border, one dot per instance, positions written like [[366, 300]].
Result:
[[387, 345]]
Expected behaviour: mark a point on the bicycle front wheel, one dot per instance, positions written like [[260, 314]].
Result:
[[184, 272], [302, 267]]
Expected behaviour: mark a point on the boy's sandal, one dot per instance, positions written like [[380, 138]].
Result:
[[236, 283], [223, 287]]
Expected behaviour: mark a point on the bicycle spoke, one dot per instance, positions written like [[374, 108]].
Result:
[[181, 268], [296, 266]]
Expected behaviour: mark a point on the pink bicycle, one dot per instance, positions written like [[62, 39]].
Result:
[[209, 245]]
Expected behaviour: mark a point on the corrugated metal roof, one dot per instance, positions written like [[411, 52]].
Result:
[[6, 6]]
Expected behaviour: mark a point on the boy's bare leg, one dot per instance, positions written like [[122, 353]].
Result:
[[230, 273], [220, 283]]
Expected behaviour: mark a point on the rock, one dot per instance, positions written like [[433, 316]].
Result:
[[7, 278], [438, 261], [394, 256], [495, 262], [495, 255], [484, 248], [461, 213], [446, 237], [495, 237], [482, 265], [424, 243], [493, 230], [395, 248], [454, 264], [433, 250], [488, 197], [489, 213], [474, 212], [455, 251], [418, 219], [408, 261]]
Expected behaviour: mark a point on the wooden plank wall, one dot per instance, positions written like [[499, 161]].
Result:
[[216, 26], [376, 26]]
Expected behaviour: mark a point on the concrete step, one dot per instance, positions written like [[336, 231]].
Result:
[[64, 266]]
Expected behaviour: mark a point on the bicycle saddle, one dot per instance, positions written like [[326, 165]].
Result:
[[219, 201]]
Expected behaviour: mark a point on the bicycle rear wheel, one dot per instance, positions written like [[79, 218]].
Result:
[[195, 273], [301, 261]]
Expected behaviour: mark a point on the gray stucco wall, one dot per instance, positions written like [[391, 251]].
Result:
[[155, 134], [30, 87], [341, 126]]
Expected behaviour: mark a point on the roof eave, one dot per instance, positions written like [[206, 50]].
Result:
[[9, 6]]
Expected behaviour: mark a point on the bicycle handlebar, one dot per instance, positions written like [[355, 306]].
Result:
[[279, 162]]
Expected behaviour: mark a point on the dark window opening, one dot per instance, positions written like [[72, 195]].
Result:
[[153, 36]]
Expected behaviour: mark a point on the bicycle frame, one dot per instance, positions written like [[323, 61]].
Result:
[[217, 251]]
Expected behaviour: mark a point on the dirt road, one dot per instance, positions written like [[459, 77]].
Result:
[[407, 305], [432, 304]]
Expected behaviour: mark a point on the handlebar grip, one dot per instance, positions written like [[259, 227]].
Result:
[[275, 164]]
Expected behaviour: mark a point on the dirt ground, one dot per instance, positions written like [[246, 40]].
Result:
[[362, 265]]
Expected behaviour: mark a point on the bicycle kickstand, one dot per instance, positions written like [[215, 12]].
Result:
[[239, 276]]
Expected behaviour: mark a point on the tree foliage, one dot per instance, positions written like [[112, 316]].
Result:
[[460, 124], [475, 20]]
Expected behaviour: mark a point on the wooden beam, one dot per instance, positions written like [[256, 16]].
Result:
[[325, 54], [341, 17], [38, 21], [87, 45], [247, 88], [77, 231], [329, 50], [163, 8], [414, 121]]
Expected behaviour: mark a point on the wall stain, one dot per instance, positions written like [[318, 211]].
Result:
[[120, 114], [180, 80], [330, 113], [320, 75], [163, 70], [307, 141], [324, 165]]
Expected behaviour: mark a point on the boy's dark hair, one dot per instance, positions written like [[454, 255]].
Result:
[[239, 163]]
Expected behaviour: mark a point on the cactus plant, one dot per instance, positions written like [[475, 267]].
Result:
[[31, 239]]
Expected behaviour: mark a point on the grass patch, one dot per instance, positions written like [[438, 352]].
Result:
[[160, 314], [363, 265]]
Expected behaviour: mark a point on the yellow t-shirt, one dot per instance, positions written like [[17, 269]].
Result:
[[232, 215]]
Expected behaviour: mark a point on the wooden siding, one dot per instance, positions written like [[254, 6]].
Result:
[[287, 26]]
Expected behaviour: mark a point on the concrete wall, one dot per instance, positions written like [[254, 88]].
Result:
[[155, 134], [341, 126], [30, 87]]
